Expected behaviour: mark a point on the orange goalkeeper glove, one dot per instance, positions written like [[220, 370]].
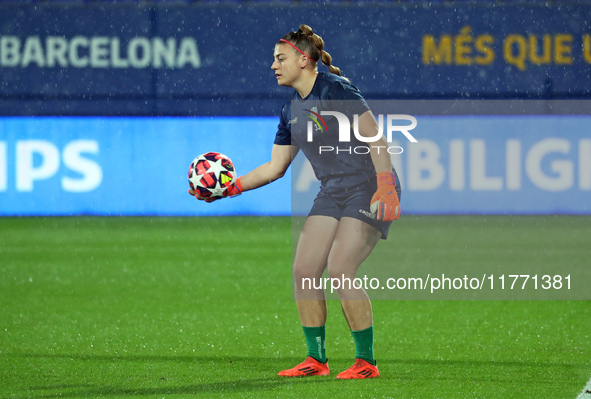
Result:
[[235, 189], [385, 203], [232, 191]]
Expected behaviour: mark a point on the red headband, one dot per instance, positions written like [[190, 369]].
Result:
[[297, 49]]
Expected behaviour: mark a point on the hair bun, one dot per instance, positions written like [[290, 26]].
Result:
[[305, 29]]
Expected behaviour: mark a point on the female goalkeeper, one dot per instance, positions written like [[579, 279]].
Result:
[[358, 198]]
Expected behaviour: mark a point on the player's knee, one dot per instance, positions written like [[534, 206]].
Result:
[[340, 273], [304, 273], [340, 266]]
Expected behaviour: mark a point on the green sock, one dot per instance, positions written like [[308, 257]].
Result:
[[316, 341], [364, 344]]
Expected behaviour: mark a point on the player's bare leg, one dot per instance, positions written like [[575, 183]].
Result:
[[310, 262], [353, 242]]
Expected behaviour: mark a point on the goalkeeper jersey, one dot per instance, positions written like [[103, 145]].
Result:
[[341, 166]]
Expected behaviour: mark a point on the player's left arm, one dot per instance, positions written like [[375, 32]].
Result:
[[385, 202], [368, 127]]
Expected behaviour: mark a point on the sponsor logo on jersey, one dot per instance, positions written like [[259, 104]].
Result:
[[319, 123]]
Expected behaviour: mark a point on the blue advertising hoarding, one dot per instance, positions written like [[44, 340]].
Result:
[[485, 165], [215, 59], [138, 166], [128, 166]]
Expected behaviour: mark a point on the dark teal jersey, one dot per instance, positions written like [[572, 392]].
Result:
[[340, 166]]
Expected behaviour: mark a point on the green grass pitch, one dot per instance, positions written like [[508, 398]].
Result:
[[201, 307]]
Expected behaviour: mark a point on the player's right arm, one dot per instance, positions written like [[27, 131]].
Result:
[[283, 152], [281, 157]]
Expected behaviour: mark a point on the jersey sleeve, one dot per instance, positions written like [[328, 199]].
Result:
[[283, 136], [346, 97]]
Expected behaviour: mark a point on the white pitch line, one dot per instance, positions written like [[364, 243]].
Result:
[[586, 393]]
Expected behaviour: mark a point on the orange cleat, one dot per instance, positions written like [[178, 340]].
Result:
[[308, 367], [360, 369]]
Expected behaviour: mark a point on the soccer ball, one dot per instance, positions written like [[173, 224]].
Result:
[[211, 174]]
